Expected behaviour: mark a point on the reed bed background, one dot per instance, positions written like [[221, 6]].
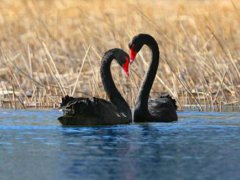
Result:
[[52, 48]]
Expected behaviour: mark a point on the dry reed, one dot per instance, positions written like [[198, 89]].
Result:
[[53, 48]]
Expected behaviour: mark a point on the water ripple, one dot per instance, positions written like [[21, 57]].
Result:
[[199, 146]]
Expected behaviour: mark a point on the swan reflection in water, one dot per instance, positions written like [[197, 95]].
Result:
[[113, 152]]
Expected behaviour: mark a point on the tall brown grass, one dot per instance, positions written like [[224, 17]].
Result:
[[53, 48]]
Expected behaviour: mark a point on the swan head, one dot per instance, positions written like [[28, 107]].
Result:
[[133, 51], [123, 60], [137, 43]]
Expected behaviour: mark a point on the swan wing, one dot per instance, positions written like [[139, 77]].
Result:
[[163, 108]]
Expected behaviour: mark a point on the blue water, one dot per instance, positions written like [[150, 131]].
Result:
[[33, 145]]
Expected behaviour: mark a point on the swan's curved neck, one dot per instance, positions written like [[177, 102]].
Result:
[[143, 95], [109, 85]]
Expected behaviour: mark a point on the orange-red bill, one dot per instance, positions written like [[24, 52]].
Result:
[[132, 55], [126, 67]]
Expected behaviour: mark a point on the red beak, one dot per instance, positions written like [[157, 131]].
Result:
[[132, 55], [126, 67]]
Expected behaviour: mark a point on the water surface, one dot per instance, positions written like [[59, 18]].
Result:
[[33, 145]]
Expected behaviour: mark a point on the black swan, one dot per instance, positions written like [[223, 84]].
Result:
[[96, 111], [162, 109]]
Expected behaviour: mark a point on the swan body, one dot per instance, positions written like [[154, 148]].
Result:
[[162, 109], [82, 111], [90, 111]]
